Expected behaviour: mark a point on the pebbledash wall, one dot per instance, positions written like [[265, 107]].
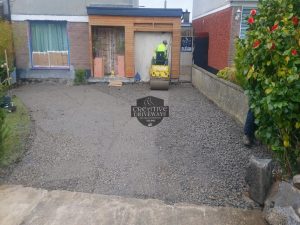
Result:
[[75, 14], [228, 96], [221, 20]]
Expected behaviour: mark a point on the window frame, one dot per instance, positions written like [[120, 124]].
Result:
[[241, 23], [34, 67]]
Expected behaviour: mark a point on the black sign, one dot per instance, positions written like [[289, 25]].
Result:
[[186, 44], [150, 111]]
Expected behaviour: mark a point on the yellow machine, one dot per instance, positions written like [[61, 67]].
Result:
[[159, 77]]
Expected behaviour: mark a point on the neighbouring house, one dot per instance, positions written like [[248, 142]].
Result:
[[55, 38], [216, 25], [4, 10]]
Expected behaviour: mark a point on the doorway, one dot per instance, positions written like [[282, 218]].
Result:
[[108, 51], [145, 45]]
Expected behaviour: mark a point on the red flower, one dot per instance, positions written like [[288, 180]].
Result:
[[273, 46], [253, 12], [256, 44], [251, 20], [294, 52], [295, 20], [275, 27]]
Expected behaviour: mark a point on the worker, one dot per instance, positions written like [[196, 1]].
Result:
[[161, 53]]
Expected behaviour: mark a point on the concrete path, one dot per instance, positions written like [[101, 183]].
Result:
[[28, 206]]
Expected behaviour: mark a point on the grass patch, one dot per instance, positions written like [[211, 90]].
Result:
[[18, 124]]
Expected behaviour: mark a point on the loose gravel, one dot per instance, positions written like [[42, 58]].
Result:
[[85, 140]]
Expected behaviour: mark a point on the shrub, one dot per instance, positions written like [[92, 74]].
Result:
[[269, 59], [6, 43], [230, 74], [79, 77]]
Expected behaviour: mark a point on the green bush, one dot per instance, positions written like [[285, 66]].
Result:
[[6, 43], [79, 77], [269, 59], [230, 74]]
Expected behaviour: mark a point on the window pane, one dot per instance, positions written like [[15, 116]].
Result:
[[49, 44], [50, 36], [244, 22]]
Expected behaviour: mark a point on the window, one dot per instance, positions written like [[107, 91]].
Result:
[[49, 44], [244, 21]]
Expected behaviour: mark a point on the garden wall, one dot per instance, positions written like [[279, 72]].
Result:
[[226, 95]]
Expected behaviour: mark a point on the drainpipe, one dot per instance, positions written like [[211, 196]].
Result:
[[9, 10]]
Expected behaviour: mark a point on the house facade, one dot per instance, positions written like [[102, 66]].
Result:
[[55, 38], [216, 25]]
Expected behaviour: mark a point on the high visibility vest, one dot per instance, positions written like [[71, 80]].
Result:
[[161, 48]]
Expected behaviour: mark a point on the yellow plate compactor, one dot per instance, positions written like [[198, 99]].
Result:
[[159, 77]]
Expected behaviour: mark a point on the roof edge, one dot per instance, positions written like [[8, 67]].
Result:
[[137, 12]]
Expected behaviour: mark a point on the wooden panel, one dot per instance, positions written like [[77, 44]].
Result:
[[145, 29], [50, 59], [40, 59], [176, 49], [58, 59], [129, 51], [121, 65], [164, 25], [91, 50], [98, 67], [142, 24]]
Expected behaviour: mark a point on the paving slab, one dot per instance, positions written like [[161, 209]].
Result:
[[29, 206], [16, 203]]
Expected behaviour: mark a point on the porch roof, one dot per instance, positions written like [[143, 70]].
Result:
[[135, 12]]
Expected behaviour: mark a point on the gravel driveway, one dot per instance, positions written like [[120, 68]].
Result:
[[85, 140]]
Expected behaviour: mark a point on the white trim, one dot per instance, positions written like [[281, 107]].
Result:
[[18, 17], [213, 11]]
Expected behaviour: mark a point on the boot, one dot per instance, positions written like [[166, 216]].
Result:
[[247, 141]]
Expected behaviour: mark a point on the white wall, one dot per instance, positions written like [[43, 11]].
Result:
[[201, 7], [61, 7], [204, 7]]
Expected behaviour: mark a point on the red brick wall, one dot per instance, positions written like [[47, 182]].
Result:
[[218, 26], [79, 45]]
